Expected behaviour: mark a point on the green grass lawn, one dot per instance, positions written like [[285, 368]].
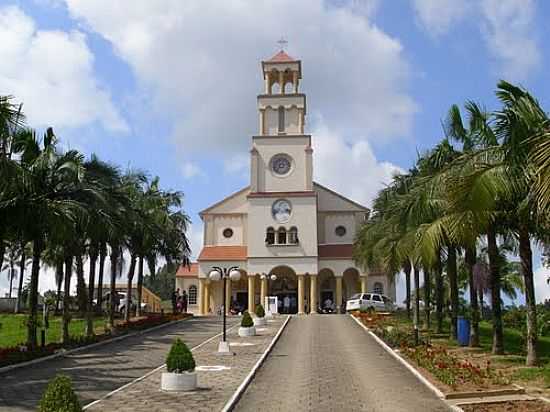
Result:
[[14, 330]]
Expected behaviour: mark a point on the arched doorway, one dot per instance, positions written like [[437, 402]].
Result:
[[285, 288], [327, 288], [352, 283], [239, 293]]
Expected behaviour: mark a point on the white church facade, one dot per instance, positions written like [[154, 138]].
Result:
[[283, 223]]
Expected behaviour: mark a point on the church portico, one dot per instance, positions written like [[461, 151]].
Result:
[[283, 223]]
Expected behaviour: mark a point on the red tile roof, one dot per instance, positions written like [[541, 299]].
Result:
[[191, 271], [281, 57], [223, 253], [342, 251]]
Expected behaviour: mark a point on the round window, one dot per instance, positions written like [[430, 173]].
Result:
[[340, 231], [227, 233], [281, 164]]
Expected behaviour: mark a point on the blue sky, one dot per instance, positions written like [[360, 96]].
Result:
[[170, 86]]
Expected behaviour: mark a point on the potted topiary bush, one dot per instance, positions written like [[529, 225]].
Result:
[[59, 396], [180, 366], [247, 326], [259, 320]]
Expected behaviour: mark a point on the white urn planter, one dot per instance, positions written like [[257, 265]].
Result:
[[186, 381], [245, 332], [259, 321]]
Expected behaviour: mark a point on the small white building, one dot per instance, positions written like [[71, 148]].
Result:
[[283, 223]]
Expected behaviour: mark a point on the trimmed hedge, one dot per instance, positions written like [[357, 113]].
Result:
[[59, 396], [260, 312], [247, 321], [180, 358]]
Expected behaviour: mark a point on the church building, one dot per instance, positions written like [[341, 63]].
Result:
[[283, 223]]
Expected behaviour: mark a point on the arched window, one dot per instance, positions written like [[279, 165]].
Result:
[[281, 236], [378, 288], [293, 235], [192, 298], [281, 119], [270, 236]]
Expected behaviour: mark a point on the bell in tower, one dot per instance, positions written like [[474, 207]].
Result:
[[282, 108]]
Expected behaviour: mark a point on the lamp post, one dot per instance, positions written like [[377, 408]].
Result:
[[216, 274]]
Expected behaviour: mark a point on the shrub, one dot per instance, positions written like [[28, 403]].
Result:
[[260, 312], [59, 396], [180, 358], [247, 321]]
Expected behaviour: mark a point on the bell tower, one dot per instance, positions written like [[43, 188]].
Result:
[[281, 155]]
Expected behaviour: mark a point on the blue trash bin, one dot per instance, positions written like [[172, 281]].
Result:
[[463, 331]]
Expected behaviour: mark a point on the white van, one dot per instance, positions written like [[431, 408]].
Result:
[[365, 301]]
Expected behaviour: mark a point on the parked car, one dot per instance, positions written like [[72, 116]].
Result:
[[365, 301], [121, 299]]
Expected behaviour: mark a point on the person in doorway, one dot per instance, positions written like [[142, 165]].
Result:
[[328, 306], [293, 307], [184, 301], [286, 304], [175, 296]]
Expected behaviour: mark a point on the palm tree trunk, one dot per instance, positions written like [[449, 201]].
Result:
[[81, 292], [112, 293], [453, 286], [427, 298], [66, 298], [139, 286], [131, 272], [439, 293], [22, 264], [91, 286], [494, 273], [12, 271], [102, 256], [407, 270], [481, 303], [416, 304], [526, 257], [2, 250], [38, 247], [470, 260], [59, 280]]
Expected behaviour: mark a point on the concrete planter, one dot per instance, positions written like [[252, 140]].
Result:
[[259, 321], [186, 381], [245, 332]]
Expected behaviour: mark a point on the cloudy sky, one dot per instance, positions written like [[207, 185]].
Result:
[[170, 86]]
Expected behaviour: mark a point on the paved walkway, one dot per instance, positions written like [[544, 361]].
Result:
[[329, 363], [218, 378], [100, 370]]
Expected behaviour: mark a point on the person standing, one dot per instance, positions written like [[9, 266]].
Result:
[[286, 304], [175, 296], [184, 301]]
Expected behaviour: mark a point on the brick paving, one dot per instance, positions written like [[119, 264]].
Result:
[[215, 387], [100, 370], [329, 363]]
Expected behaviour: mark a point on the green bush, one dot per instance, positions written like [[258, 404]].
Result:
[[180, 358], [59, 396], [260, 312], [247, 321]]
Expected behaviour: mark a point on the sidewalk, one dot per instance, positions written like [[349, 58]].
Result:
[[216, 386]]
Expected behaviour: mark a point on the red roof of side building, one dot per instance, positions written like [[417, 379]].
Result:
[[281, 57], [342, 251], [223, 253], [191, 271]]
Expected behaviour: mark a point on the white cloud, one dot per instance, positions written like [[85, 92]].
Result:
[[350, 169], [542, 288], [201, 62], [51, 72], [238, 164], [437, 16], [195, 236], [190, 170], [509, 36]]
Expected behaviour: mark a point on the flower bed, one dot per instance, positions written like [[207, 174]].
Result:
[[509, 406], [21, 353]]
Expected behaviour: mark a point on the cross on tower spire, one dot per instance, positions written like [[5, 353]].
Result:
[[282, 43]]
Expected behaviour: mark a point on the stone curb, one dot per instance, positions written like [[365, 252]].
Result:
[[90, 346], [232, 402], [210, 339]]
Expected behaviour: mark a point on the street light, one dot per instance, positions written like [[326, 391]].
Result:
[[216, 274]]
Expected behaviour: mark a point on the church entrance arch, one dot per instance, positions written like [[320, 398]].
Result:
[[327, 289], [285, 288], [352, 283], [239, 293]]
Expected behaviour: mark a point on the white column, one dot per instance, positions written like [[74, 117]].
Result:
[[301, 285]]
